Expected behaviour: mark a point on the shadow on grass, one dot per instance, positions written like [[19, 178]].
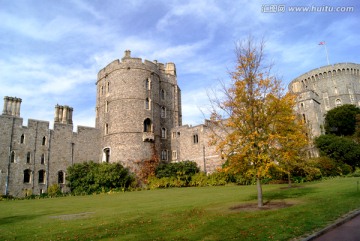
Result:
[[16, 219], [285, 193]]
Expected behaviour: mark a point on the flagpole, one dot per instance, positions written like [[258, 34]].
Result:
[[327, 55]]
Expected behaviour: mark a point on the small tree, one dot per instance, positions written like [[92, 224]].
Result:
[[341, 121], [252, 105]]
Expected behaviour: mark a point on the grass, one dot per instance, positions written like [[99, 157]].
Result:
[[181, 214]]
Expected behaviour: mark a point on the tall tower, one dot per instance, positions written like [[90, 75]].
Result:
[[137, 104]]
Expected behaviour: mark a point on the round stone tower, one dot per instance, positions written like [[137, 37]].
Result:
[[137, 104], [323, 89]]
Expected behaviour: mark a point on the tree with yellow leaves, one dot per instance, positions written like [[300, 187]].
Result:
[[253, 113]]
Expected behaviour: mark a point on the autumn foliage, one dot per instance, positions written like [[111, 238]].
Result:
[[257, 117]]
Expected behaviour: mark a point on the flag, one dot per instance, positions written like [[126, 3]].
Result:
[[322, 43]]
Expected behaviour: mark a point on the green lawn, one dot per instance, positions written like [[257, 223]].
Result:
[[181, 214]]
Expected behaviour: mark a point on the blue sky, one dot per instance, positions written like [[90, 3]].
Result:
[[51, 51]]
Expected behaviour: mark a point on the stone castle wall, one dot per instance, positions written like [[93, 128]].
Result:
[[323, 89], [34, 157]]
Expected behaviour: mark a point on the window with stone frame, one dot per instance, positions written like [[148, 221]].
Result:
[[174, 155], [41, 176], [163, 112], [28, 157], [43, 141], [163, 133], [12, 157], [164, 155], [195, 138], [147, 125], [42, 159], [106, 128], [147, 104], [22, 139], [61, 177], [27, 176], [162, 94]]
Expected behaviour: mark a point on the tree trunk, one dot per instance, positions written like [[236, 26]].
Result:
[[289, 179], [259, 191]]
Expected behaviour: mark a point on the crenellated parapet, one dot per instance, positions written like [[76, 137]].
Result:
[[128, 62], [308, 80]]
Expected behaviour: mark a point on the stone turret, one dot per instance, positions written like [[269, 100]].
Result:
[[12, 106], [63, 114]]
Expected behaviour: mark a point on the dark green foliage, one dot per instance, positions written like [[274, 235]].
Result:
[[339, 148], [90, 177], [330, 167], [180, 170], [341, 121]]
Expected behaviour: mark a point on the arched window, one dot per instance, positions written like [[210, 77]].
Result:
[[106, 106], [42, 176], [106, 128], [147, 104], [337, 102], [12, 157], [28, 157], [106, 155], [147, 125], [44, 141], [42, 159], [147, 84], [163, 133], [61, 177], [108, 87], [22, 139], [163, 112], [27, 176], [162, 94]]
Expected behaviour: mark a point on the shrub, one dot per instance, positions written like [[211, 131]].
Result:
[[54, 191], [90, 177], [183, 171]]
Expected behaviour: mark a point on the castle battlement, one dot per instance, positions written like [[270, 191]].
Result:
[[128, 62]]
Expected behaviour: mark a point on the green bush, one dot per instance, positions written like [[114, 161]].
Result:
[[54, 191], [90, 177], [356, 173], [183, 171]]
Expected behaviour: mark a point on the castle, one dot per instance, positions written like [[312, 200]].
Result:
[[138, 116]]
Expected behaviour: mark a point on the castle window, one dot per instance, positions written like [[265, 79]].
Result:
[[147, 104], [162, 94], [106, 128], [42, 160], [173, 135], [106, 106], [28, 157], [61, 177], [106, 155], [174, 155], [196, 138], [102, 90], [163, 133], [147, 125], [164, 155], [304, 118], [43, 141], [12, 157], [108, 87], [41, 176], [338, 102], [163, 112], [147, 84], [27, 176], [22, 139]]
